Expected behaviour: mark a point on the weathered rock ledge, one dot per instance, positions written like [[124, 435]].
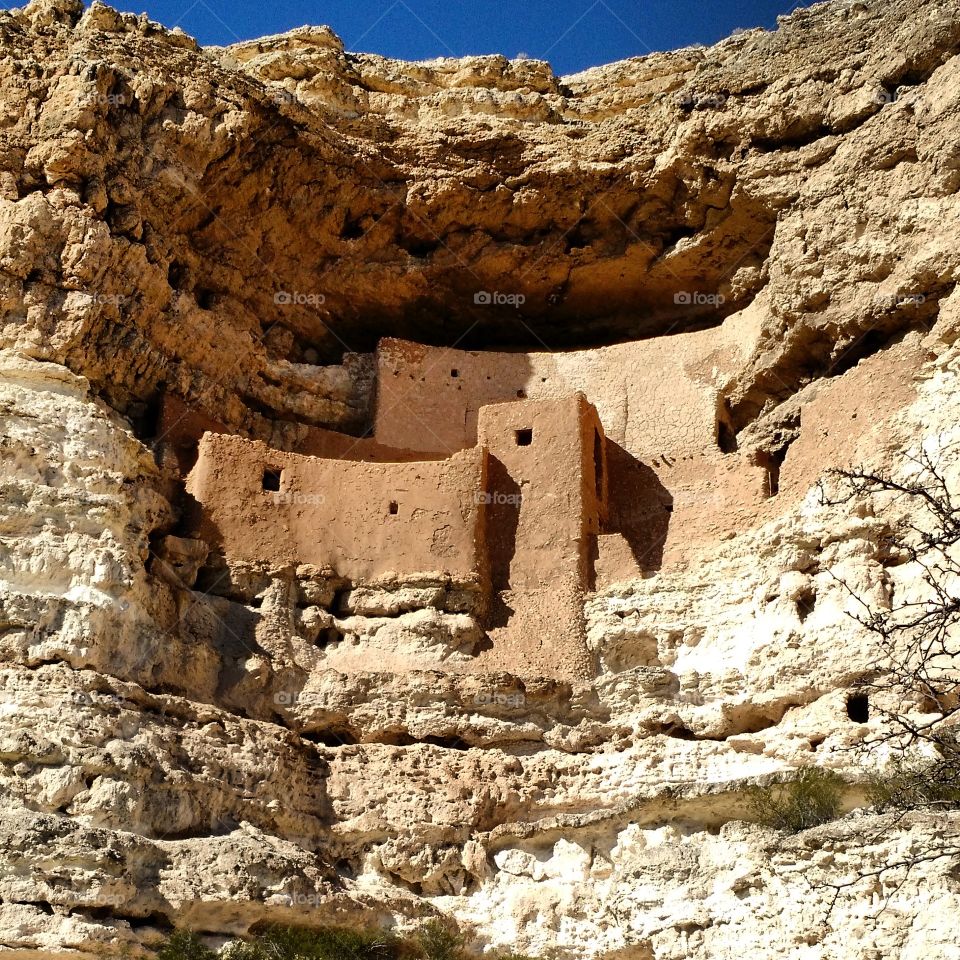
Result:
[[236, 228]]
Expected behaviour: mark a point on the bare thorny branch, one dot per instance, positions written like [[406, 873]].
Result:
[[916, 674]]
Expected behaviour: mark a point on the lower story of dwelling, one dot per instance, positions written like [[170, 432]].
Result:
[[516, 522]]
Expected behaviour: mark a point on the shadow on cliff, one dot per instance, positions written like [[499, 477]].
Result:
[[502, 520], [640, 507]]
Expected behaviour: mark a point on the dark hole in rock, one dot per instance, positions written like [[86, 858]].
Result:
[[448, 743], [858, 707], [805, 603], [206, 299]]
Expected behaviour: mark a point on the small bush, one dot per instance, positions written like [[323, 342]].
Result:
[[916, 785], [440, 941], [184, 945], [435, 940], [330, 943], [808, 799]]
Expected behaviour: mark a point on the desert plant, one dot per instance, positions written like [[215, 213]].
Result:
[[435, 940], [290, 943], [440, 940], [184, 945], [915, 684], [798, 802], [912, 783], [917, 649], [328, 943]]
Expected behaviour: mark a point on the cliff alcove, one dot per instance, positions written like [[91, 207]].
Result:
[[410, 481]]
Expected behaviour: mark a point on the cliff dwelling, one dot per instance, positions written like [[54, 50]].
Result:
[[474, 508], [521, 482]]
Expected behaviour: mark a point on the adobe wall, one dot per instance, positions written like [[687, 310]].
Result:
[[180, 428], [545, 505], [656, 398], [319, 442], [364, 520], [547, 492]]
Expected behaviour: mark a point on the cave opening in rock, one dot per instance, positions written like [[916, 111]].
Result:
[[726, 437], [858, 707], [206, 299], [337, 737]]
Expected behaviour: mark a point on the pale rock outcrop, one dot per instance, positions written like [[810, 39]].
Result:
[[183, 743]]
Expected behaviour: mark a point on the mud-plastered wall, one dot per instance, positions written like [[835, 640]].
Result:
[[657, 397], [362, 520]]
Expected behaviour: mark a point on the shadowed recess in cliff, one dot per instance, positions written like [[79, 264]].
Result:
[[607, 265]]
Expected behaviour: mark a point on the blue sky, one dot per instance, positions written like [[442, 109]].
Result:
[[571, 34]]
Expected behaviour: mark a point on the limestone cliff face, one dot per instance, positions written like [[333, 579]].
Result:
[[236, 228]]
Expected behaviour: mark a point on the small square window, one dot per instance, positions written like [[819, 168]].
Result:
[[271, 479], [521, 394], [524, 437], [454, 373], [394, 508]]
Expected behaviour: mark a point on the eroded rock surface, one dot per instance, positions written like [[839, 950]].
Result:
[[236, 228]]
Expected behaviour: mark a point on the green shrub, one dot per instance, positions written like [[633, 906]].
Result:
[[798, 802], [440, 941], [330, 943], [435, 940], [916, 784], [184, 945], [294, 943]]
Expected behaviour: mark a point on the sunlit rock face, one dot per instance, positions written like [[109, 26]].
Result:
[[744, 256]]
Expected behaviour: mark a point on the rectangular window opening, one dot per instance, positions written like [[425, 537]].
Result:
[[524, 437], [271, 479], [394, 508]]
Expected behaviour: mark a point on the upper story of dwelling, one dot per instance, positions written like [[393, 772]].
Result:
[[659, 397]]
